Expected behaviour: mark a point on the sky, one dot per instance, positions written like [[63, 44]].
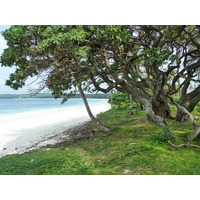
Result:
[[6, 71]]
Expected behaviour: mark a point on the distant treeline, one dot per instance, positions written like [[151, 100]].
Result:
[[47, 95]]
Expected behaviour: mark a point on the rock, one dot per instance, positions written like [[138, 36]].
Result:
[[4, 148], [132, 143], [196, 118], [137, 173], [127, 171]]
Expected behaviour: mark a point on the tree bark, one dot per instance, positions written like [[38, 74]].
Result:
[[151, 110], [105, 129], [194, 134], [179, 83], [183, 145], [161, 108], [152, 117], [192, 98], [180, 115], [196, 127], [131, 104]]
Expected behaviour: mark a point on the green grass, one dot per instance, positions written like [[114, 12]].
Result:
[[132, 147]]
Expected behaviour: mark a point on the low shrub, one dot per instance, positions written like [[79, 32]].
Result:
[[164, 134]]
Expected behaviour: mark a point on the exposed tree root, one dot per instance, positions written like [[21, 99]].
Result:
[[102, 127], [160, 122], [196, 127], [183, 145]]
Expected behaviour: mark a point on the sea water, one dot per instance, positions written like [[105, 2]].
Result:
[[20, 105]]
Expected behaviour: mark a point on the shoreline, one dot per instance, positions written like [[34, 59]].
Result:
[[23, 132], [56, 106], [47, 110]]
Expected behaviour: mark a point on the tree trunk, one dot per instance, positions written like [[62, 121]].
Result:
[[131, 104], [196, 127], [105, 129], [194, 134], [191, 98], [160, 122], [153, 109], [148, 102], [157, 119], [179, 83], [111, 99], [161, 108], [180, 115]]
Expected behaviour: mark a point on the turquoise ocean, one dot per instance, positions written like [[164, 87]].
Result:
[[21, 105]]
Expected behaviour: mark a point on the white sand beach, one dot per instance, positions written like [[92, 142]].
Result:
[[23, 132]]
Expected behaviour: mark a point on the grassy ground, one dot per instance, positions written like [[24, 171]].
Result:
[[134, 146]]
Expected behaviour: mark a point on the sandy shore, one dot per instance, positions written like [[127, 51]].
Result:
[[20, 133]]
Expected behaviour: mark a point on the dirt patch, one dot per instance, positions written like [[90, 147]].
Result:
[[68, 137]]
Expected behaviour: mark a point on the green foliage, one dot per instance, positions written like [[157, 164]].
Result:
[[34, 49], [176, 99], [158, 56], [49, 95], [197, 108], [46, 162], [65, 50], [119, 99], [140, 60], [164, 135]]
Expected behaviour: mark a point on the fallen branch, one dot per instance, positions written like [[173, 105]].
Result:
[[183, 145]]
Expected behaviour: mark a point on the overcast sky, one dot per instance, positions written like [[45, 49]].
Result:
[[6, 71]]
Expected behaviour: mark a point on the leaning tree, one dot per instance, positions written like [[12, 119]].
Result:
[[150, 63], [53, 55], [143, 61]]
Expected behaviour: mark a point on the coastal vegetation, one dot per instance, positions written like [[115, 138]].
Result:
[[49, 95], [134, 146], [150, 63], [146, 71]]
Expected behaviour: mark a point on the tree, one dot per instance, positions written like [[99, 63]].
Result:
[[188, 60], [141, 61], [154, 50], [119, 99], [35, 50]]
